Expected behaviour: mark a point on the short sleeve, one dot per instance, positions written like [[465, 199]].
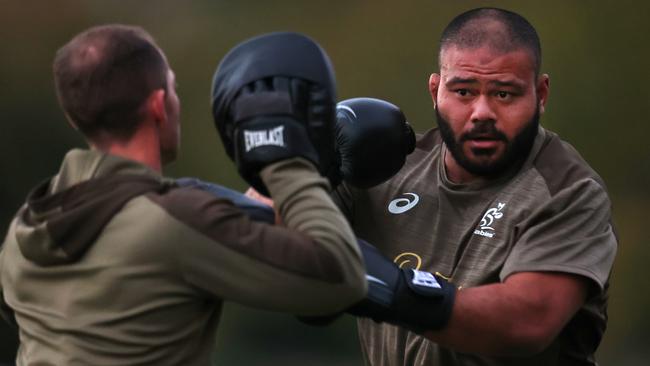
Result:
[[572, 233]]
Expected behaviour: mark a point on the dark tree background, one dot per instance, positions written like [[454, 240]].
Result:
[[596, 53]]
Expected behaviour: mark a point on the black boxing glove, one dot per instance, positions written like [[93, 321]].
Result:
[[273, 98], [272, 119], [413, 299], [373, 139]]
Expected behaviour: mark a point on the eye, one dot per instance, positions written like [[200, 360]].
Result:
[[503, 94], [462, 92]]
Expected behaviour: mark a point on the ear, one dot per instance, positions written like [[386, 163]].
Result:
[[434, 83], [155, 106], [543, 89]]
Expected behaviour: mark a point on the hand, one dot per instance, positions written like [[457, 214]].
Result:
[[274, 99], [416, 300], [257, 196], [413, 299]]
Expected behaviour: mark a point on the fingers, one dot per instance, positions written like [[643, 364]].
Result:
[[253, 194]]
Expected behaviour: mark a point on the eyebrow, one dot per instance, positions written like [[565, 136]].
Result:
[[459, 80], [507, 83], [499, 83]]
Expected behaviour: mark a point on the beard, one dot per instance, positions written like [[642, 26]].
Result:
[[515, 152]]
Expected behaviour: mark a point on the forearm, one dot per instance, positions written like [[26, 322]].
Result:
[[481, 311], [515, 318], [301, 198]]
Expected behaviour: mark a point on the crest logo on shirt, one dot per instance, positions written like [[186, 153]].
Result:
[[408, 260], [401, 205], [485, 226]]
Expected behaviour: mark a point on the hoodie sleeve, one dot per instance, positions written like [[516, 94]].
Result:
[[312, 266]]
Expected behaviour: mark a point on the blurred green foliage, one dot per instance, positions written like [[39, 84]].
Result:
[[595, 52]]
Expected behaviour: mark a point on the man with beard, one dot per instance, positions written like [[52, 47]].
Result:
[[503, 208]]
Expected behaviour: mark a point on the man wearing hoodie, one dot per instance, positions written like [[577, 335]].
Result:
[[108, 262]]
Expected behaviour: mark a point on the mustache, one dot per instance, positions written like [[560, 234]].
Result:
[[485, 131]]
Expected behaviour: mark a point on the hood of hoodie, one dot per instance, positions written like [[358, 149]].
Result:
[[64, 215]]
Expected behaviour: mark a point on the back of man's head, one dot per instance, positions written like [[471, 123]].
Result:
[[498, 29], [103, 76]]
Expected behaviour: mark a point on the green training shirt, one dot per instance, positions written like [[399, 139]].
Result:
[[550, 214]]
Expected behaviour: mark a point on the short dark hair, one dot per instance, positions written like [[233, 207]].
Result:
[[104, 74], [476, 27]]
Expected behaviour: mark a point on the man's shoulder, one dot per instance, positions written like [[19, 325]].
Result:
[[170, 220], [428, 140], [561, 165], [199, 210], [427, 148]]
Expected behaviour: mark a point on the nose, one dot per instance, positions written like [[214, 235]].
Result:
[[482, 111]]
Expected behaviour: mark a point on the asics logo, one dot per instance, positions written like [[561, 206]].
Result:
[[401, 205]]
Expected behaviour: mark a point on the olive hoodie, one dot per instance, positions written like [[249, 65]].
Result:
[[110, 263]]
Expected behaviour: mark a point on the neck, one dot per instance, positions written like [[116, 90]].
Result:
[[143, 146]]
